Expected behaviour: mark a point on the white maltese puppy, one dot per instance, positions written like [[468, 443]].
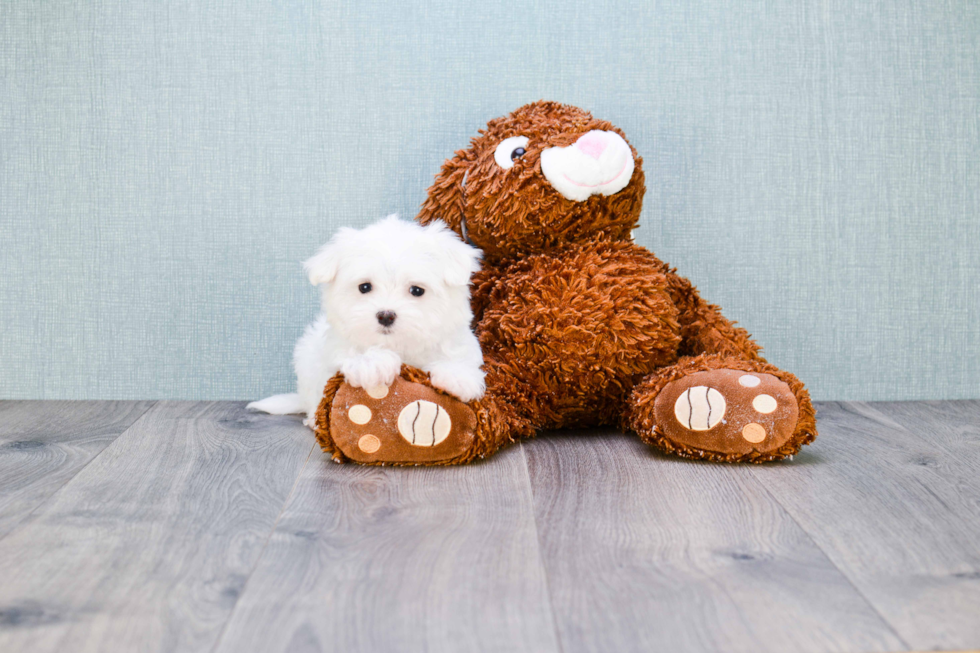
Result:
[[395, 292]]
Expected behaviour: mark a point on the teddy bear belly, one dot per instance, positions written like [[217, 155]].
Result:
[[576, 332]]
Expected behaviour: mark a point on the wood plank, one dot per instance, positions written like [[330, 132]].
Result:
[[400, 559], [649, 553], [148, 547], [898, 511], [43, 444], [951, 426]]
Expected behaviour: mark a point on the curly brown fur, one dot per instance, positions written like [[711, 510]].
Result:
[[578, 325], [703, 328], [564, 348], [542, 220]]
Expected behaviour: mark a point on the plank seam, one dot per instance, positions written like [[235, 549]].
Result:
[[61, 487], [537, 539], [829, 558], [265, 545]]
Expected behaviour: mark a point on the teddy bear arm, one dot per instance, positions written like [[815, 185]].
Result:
[[482, 285], [704, 330]]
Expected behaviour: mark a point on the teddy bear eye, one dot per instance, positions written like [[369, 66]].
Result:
[[416, 291], [510, 150], [364, 288]]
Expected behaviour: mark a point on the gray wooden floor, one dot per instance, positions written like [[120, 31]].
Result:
[[169, 526]]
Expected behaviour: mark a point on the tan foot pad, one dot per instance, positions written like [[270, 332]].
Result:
[[404, 423], [727, 411]]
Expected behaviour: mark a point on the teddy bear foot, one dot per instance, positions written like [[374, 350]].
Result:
[[729, 415], [406, 423]]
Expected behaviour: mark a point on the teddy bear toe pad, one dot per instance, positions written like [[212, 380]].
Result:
[[729, 412], [405, 423]]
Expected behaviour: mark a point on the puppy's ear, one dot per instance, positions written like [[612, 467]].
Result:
[[460, 260], [322, 266]]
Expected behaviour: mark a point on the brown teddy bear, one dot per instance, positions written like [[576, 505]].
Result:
[[579, 326]]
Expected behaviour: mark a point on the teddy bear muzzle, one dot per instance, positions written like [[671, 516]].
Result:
[[598, 163]]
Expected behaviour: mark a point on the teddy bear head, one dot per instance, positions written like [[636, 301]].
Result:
[[546, 175]]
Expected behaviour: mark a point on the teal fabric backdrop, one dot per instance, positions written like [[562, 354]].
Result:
[[165, 166]]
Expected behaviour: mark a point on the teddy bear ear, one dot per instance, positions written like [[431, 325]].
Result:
[[446, 199]]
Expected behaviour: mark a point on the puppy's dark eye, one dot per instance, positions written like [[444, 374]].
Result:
[[364, 288], [516, 154], [416, 291]]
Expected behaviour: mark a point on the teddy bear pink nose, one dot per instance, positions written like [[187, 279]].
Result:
[[593, 143]]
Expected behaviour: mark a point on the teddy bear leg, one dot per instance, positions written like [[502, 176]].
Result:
[[411, 423], [723, 408]]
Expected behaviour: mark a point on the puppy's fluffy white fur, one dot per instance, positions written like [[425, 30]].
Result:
[[418, 274]]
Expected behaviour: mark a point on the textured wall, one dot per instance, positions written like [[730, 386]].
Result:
[[166, 165]]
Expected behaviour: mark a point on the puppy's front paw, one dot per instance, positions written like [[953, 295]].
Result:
[[373, 368], [461, 381]]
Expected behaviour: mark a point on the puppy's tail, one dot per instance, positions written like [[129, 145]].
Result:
[[279, 404]]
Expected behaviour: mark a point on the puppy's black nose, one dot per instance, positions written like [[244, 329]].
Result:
[[386, 318]]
